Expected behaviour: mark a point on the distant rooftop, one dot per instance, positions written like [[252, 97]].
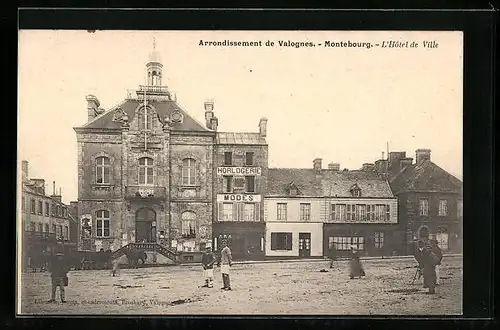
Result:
[[240, 138]]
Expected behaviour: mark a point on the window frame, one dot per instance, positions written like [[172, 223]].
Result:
[[100, 170], [188, 172], [227, 180], [378, 239], [226, 154], [247, 186], [282, 215], [443, 207], [103, 217], [40, 208], [286, 238], [225, 216], [145, 168], [191, 222], [423, 206], [47, 209], [33, 206], [305, 211], [252, 156]]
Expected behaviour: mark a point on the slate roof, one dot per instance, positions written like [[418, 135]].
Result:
[[240, 138], [163, 108], [328, 183], [425, 177]]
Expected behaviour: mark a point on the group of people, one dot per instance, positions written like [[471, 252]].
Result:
[[225, 261]]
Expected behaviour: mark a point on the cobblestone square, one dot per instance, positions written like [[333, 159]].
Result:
[[260, 288]]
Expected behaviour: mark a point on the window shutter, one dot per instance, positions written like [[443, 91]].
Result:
[[235, 211], [257, 212], [288, 241], [274, 241], [220, 212], [241, 207]]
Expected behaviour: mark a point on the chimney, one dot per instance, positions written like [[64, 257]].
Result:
[[317, 164], [334, 166], [92, 106], [209, 113], [214, 122], [368, 167], [53, 187], [54, 196], [394, 160], [381, 165], [422, 154], [24, 167], [405, 162], [263, 127]]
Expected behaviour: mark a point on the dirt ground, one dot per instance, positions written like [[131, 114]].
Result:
[[270, 288]]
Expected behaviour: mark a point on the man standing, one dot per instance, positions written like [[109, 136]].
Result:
[[225, 263], [207, 262], [332, 254], [439, 257], [59, 276]]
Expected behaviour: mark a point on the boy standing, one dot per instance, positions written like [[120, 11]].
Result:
[[207, 262], [225, 262]]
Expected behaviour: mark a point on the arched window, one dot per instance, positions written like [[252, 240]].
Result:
[[102, 170], [188, 224], [146, 171], [188, 172], [102, 223], [146, 118]]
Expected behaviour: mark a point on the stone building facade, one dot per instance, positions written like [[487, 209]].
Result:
[[145, 171], [241, 163], [428, 196]]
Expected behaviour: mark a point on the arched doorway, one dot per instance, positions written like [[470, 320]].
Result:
[[145, 225]]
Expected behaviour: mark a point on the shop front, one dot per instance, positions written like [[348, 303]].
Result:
[[246, 240]]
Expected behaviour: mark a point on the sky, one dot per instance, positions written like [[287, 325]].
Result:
[[336, 103]]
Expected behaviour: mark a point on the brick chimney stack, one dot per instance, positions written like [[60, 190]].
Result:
[[317, 164], [93, 109], [263, 127], [422, 155], [405, 162], [209, 113]]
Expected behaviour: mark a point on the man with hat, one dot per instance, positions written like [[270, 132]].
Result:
[[207, 262], [225, 263], [59, 276]]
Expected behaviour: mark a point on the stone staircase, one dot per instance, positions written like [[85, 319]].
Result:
[[147, 247]]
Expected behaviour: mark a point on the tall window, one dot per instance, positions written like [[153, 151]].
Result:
[[188, 219], [228, 158], [32, 206], [40, 227], [250, 183], [281, 241], [360, 212], [370, 212], [460, 208], [146, 171], [47, 228], [228, 184], [249, 212], [443, 207], [60, 232], [47, 209], [40, 207], [358, 242], [66, 232], [341, 243], [188, 172], [424, 206], [102, 222], [249, 158], [146, 118], [305, 211], [379, 240], [102, 170], [59, 210], [388, 212], [53, 209], [227, 211], [337, 212], [351, 212], [281, 211]]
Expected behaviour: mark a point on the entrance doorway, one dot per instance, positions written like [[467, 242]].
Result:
[[304, 244], [145, 226]]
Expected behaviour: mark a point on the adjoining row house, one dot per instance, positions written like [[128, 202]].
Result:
[[428, 195], [46, 223], [308, 210], [149, 172]]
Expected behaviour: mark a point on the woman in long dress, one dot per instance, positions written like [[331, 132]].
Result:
[[356, 268]]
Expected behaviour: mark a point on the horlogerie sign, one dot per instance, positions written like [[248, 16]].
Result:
[[238, 171]]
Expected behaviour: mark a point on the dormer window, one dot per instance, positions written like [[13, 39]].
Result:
[[292, 189], [146, 118], [355, 191]]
